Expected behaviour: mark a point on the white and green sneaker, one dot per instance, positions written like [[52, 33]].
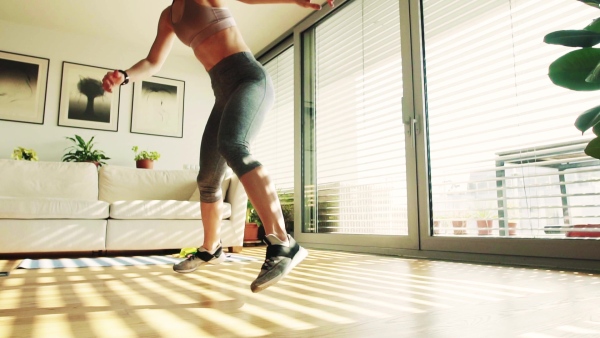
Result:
[[280, 259]]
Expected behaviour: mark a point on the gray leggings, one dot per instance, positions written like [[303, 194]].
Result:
[[243, 95]]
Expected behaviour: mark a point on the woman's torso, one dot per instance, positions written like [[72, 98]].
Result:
[[207, 27]]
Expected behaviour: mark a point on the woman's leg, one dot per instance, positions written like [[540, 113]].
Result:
[[265, 200], [211, 220], [246, 108], [210, 177], [242, 118]]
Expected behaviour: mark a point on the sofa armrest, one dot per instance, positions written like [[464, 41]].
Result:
[[236, 196]]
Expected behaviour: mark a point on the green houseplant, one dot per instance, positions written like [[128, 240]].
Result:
[[252, 214], [286, 198], [580, 70], [253, 225], [145, 159], [23, 154], [82, 151]]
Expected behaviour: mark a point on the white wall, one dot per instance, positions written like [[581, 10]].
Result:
[[48, 140]]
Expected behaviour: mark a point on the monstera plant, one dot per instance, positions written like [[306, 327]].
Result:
[[580, 70]]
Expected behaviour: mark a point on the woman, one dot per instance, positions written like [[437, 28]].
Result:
[[243, 95]]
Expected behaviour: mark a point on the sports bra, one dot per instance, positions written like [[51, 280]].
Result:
[[199, 22]]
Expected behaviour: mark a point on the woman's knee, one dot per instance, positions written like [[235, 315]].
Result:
[[238, 157], [209, 187]]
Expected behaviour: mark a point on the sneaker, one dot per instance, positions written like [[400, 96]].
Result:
[[280, 260], [201, 257]]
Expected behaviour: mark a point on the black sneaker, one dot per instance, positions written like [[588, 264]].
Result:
[[193, 261], [279, 262]]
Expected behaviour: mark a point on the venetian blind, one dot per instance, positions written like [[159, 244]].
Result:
[[503, 148], [274, 146], [360, 164]]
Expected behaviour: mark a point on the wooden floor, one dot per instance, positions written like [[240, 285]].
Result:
[[331, 294]]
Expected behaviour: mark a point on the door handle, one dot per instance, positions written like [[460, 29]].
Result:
[[410, 124]]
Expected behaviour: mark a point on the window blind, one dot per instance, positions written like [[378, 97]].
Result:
[[359, 135], [274, 146], [505, 158]]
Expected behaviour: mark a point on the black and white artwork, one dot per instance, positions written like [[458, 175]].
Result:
[[158, 107], [23, 82], [83, 101]]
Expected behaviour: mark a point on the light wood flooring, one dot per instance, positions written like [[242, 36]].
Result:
[[331, 294]]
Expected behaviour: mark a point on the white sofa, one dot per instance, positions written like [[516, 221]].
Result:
[[72, 207]]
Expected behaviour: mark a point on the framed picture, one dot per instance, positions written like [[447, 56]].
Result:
[[23, 82], [83, 102], [158, 107]]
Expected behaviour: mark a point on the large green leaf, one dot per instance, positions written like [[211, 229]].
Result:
[[593, 3], [596, 129], [573, 38], [571, 69], [588, 119], [593, 148], [594, 26], [594, 75]]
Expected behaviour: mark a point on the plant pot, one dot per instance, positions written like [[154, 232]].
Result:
[[251, 232], [460, 227], [436, 228], [144, 164], [484, 227], [512, 228]]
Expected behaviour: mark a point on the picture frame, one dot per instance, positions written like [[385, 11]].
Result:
[[83, 102], [23, 84], [158, 107]]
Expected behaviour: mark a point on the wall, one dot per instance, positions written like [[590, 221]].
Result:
[[48, 139]]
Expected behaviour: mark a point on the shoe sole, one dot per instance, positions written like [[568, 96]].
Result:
[[217, 260], [298, 257]]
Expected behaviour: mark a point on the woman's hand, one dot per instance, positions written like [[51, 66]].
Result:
[[112, 79], [308, 4]]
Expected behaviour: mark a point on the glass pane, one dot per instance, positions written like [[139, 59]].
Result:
[[274, 145], [354, 136], [505, 158]]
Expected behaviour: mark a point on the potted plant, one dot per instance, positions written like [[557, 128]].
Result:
[[287, 208], [23, 154], [511, 224], [253, 225], [485, 220], [82, 151], [145, 159]]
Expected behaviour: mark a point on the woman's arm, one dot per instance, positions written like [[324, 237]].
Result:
[[302, 3], [153, 62]]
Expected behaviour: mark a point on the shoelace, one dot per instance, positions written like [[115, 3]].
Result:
[[269, 263]]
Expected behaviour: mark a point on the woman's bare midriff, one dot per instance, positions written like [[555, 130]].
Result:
[[219, 46]]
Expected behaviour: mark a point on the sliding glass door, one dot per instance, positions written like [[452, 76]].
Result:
[[354, 146], [505, 161]]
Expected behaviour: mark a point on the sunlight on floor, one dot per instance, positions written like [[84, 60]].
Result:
[[330, 294]]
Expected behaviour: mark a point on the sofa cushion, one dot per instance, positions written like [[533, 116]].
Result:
[[160, 209], [129, 184], [52, 235], [52, 208], [71, 180]]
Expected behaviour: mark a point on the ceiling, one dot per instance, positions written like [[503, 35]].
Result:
[[134, 21]]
